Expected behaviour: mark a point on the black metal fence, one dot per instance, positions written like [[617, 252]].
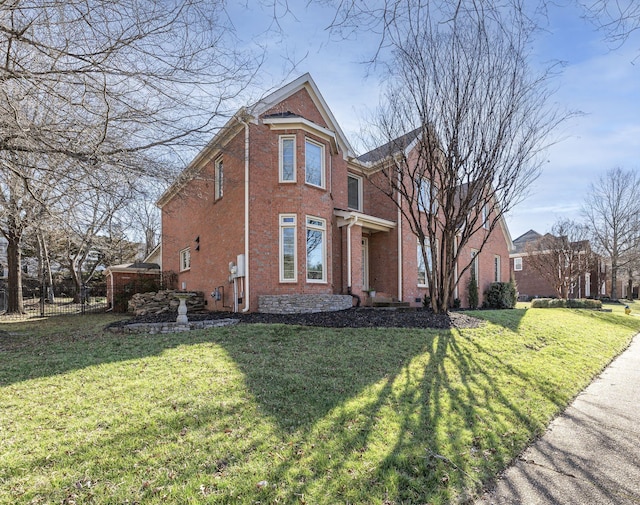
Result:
[[65, 298]]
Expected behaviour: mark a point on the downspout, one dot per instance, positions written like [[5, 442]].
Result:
[[246, 215], [400, 297]]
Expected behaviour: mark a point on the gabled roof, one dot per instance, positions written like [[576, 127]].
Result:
[[252, 113], [521, 242], [305, 81], [402, 143]]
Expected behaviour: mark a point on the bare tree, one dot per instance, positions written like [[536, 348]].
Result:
[[479, 118], [618, 19], [109, 88], [612, 210], [562, 257]]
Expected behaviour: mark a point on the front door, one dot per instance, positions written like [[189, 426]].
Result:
[[365, 263]]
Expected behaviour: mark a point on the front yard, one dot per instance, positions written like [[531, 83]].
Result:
[[285, 414]]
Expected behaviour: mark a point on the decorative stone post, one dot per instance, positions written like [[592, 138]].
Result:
[[182, 308]]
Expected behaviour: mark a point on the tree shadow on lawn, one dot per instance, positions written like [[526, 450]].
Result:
[[344, 414], [418, 410]]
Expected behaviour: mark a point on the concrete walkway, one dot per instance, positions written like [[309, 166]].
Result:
[[590, 455]]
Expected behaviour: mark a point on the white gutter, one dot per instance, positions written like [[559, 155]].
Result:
[[246, 215], [353, 222]]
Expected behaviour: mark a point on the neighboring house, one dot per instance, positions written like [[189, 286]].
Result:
[[531, 284], [277, 213]]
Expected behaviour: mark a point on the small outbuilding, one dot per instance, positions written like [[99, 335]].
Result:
[[123, 281]]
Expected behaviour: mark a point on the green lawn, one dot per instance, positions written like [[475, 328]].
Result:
[[279, 414]]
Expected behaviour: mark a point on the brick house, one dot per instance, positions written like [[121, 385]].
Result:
[[277, 213], [533, 285]]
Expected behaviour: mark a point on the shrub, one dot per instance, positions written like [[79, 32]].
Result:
[[501, 295], [472, 289], [551, 303], [457, 303], [426, 301]]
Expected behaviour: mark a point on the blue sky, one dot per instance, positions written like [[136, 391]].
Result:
[[600, 81]]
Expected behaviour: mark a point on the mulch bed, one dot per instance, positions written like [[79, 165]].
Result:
[[351, 318]]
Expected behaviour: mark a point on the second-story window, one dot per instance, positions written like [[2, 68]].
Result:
[[426, 197], [287, 158], [354, 190], [517, 264], [314, 163], [218, 179]]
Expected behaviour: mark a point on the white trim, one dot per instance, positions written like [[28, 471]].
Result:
[[517, 259], [300, 123], [365, 263], [360, 191], [218, 178], [209, 152], [281, 140], [282, 225], [346, 217], [587, 284], [475, 266], [323, 177], [322, 228], [305, 82], [185, 254], [247, 263]]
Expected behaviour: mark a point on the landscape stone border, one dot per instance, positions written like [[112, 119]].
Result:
[[171, 327]]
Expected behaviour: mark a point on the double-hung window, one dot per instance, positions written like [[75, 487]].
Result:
[[314, 163], [423, 281], [287, 158], [185, 259], [288, 261], [354, 192], [517, 264], [426, 197], [316, 249], [475, 270], [218, 179]]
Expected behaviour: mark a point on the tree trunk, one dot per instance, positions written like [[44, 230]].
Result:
[[614, 280], [15, 303], [77, 281]]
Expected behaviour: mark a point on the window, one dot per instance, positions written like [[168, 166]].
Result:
[[496, 268], [314, 162], [426, 200], [422, 271], [316, 249], [475, 272], [517, 264], [185, 259], [288, 262], [354, 189], [287, 159], [218, 178], [485, 217], [587, 285]]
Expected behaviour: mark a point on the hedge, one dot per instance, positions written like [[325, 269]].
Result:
[[551, 303]]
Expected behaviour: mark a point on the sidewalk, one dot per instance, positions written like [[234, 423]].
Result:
[[590, 455]]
